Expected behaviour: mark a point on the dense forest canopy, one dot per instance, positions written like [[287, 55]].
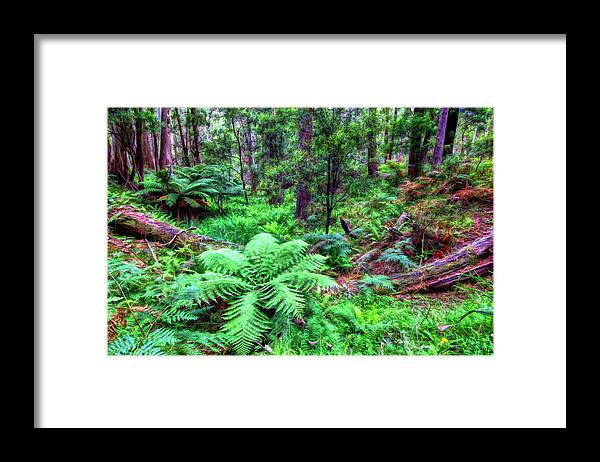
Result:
[[298, 227]]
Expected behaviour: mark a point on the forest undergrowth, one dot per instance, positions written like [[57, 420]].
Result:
[[292, 289]]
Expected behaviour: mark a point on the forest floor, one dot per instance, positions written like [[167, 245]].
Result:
[[365, 315]]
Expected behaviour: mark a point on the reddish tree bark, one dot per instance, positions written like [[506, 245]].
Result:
[[303, 196], [110, 156], [149, 156], [438, 151], [165, 159], [155, 151], [139, 145], [123, 146]]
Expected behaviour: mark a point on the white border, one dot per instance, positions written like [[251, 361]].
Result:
[[523, 384]]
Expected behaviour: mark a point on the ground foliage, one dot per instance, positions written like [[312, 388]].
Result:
[[303, 287], [165, 301]]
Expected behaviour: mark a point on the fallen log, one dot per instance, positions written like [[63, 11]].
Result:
[[130, 221], [364, 260], [449, 280], [396, 230], [474, 258]]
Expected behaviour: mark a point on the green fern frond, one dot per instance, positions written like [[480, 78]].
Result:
[[284, 299], [194, 341], [191, 202], [379, 281], [306, 280], [211, 286], [225, 261], [246, 323], [260, 246], [312, 262], [287, 255]]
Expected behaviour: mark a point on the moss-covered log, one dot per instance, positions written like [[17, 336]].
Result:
[[131, 222], [474, 258]]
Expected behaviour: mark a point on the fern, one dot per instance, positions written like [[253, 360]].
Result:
[[334, 247], [379, 281], [267, 278], [397, 256]]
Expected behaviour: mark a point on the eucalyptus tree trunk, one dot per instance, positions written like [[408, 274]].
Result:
[[392, 140], [184, 146], [438, 151], [371, 145], [305, 132], [149, 156], [425, 147], [473, 140], [236, 133], [165, 158], [120, 148], [450, 131], [139, 144], [249, 156], [195, 141], [415, 153], [110, 155]]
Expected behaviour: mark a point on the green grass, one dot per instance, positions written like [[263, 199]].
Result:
[[241, 222], [370, 324]]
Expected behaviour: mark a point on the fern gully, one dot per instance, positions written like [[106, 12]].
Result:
[[268, 279]]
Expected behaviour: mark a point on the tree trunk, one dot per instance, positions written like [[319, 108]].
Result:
[[149, 158], [392, 133], [450, 131], [415, 154], [236, 133], [473, 140], [131, 222], [119, 165], [438, 151], [303, 196], [195, 136], [155, 151], [474, 258], [425, 147], [110, 157], [371, 145], [184, 147], [165, 158], [139, 145], [249, 156]]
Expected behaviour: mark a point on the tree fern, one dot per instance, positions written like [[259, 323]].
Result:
[[266, 278]]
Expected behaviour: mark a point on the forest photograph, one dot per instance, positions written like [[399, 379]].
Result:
[[300, 231]]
